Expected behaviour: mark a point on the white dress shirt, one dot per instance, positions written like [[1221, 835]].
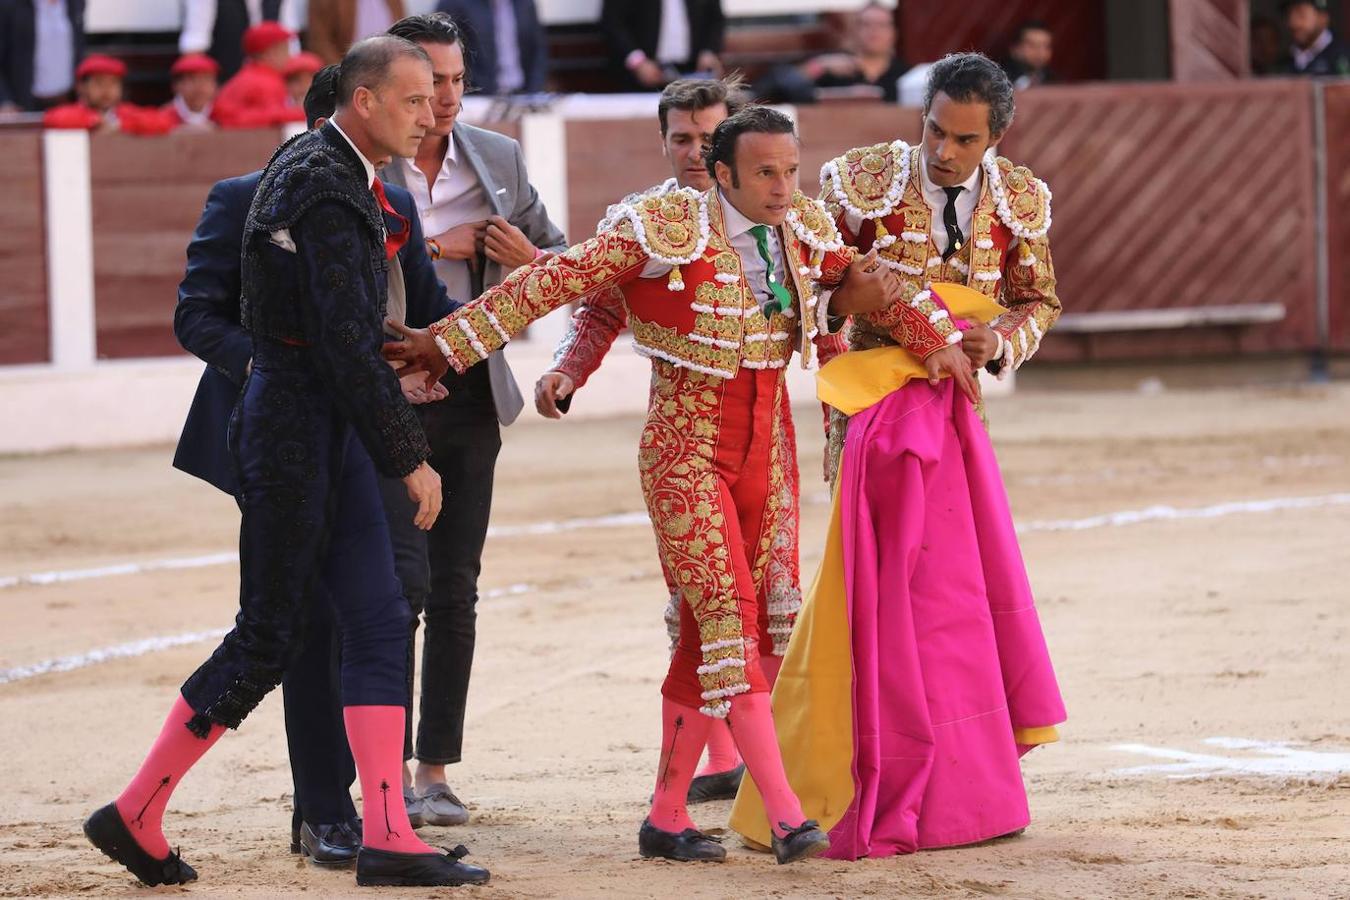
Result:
[[456, 197], [936, 198], [672, 41], [372, 17], [510, 74], [53, 50], [743, 242]]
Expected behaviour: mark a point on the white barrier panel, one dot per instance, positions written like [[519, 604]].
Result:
[[70, 248]]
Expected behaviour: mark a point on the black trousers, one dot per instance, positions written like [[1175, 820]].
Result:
[[465, 439], [312, 516]]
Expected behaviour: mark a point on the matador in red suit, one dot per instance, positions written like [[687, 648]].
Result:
[[720, 289]]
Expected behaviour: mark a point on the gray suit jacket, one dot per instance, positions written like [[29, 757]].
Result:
[[498, 163]]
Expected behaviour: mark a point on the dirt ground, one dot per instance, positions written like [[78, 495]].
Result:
[[1217, 641]]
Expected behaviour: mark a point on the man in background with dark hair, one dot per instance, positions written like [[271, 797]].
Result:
[[507, 47], [483, 219], [919, 675], [720, 290], [1028, 61], [324, 826], [1315, 50]]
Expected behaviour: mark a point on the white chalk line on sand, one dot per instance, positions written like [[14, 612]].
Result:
[[1277, 759], [625, 520], [157, 644]]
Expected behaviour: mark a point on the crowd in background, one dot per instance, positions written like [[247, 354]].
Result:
[[248, 63]]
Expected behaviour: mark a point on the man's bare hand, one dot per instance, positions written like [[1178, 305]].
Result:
[[709, 62], [980, 344], [649, 74], [506, 244], [868, 287], [416, 352], [415, 389], [548, 390], [951, 361], [463, 241], [424, 489]]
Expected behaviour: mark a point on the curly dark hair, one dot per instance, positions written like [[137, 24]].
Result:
[[432, 28], [973, 77], [754, 118]]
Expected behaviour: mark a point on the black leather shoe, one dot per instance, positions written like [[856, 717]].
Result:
[[690, 845], [386, 868], [802, 842], [717, 786], [106, 831], [329, 845]]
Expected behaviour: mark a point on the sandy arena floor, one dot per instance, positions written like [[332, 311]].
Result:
[[1218, 644]]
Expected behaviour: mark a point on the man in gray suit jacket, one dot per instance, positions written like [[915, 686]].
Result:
[[482, 219]]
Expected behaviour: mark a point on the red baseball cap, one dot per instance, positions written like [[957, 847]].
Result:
[[304, 61], [264, 35], [194, 64], [98, 64]]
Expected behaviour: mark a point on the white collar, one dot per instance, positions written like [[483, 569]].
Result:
[[937, 194], [187, 115], [733, 219], [1303, 57], [367, 164], [447, 164]]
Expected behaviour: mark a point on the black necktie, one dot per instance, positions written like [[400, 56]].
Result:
[[954, 236]]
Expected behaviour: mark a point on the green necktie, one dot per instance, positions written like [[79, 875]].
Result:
[[780, 293]]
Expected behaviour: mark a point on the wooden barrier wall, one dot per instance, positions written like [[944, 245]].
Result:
[[147, 196], [1178, 196], [23, 262], [1337, 109]]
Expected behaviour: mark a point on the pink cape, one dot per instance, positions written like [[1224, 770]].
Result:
[[948, 655]]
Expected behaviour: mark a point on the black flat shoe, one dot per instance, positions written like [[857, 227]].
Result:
[[802, 842], [387, 868], [717, 786], [106, 831], [329, 845], [690, 845]]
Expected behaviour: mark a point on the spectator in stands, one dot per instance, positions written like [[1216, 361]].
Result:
[[507, 49], [98, 85], [217, 26], [40, 43], [1267, 46], [1316, 50], [652, 43], [869, 62], [196, 79], [299, 74], [334, 25], [1028, 60], [256, 97]]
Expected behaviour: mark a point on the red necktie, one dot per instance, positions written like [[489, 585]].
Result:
[[393, 240]]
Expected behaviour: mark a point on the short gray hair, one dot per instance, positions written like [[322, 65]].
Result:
[[973, 78], [367, 64]]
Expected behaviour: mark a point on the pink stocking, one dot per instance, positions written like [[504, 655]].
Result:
[[684, 731], [751, 722], [722, 755], [770, 665], [175, 751], [375, 734]]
